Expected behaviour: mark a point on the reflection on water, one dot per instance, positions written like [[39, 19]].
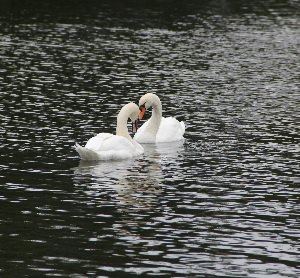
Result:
[[136, 182], [223, 203]]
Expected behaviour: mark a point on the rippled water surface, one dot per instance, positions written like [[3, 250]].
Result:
[[223, 203]]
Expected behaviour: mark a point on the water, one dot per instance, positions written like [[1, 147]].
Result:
[[225, 203]]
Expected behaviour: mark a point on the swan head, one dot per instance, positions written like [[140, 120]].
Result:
[[133, 112], [146, 101]]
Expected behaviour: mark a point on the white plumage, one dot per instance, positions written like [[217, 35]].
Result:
[[158, 129], [106, 146]]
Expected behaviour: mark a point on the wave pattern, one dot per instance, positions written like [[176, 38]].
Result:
[[224, 203]]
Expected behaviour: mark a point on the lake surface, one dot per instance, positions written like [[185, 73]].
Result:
[[223, 203]]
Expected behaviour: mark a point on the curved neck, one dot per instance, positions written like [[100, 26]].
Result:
[[154, 121], [122, 129]]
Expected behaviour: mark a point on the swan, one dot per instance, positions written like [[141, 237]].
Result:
[[157, 129], [106, 146]]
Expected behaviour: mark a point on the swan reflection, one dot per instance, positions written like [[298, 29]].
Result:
[[136, 183]]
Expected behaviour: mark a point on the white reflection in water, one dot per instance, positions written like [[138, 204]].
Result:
[[137, 182]]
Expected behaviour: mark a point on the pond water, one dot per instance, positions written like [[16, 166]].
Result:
[[223, 203]]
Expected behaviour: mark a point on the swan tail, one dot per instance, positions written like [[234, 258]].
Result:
[[85, 153]]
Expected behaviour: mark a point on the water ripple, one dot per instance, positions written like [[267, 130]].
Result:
[[222, 203]]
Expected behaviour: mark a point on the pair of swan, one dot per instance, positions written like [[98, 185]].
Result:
[[157, 129]]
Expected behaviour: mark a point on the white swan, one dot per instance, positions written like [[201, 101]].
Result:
[[106, 146], [157, 129]]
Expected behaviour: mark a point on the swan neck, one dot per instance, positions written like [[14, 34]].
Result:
[[156, 115], [122, 129]]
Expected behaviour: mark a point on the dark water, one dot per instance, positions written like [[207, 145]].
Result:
[[225, 203]]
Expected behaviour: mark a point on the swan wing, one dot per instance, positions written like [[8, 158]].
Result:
[[117, 143], [95, 143], [118, 147], [170, 130], [85, 153], [108, 147]]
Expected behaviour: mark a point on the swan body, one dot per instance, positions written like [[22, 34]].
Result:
[[158, 129], [106, 146]]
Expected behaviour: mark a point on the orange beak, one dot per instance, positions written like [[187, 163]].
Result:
[[143, 110]]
